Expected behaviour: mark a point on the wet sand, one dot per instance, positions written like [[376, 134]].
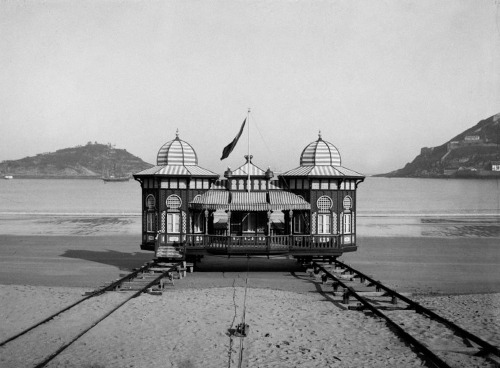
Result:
[[417, 265]]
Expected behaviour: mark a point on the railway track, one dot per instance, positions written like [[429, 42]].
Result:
[[371, 295], [96, 306]]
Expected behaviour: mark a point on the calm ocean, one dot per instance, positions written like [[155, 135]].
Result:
[[386, 207], [376, 197]]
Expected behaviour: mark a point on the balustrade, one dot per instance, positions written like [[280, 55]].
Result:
[[273, 242]]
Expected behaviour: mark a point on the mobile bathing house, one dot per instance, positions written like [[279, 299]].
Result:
[[307, 212]]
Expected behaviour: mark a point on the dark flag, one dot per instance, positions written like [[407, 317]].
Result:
[[229, 148]]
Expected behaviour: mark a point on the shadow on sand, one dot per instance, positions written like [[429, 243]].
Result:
[[121, 260], [241, 264]]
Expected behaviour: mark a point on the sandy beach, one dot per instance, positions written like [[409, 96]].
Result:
[[294, 322], [189, 328]]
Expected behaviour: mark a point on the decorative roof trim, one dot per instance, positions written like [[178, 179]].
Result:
[[177, 170], [323, 171]]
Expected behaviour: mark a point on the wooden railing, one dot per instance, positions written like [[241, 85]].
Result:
[[273, 242]]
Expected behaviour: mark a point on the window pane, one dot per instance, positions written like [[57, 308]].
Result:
[[347, 223], [323, 224], [150, 218], [172, 222], [176, 223], [169, 222]]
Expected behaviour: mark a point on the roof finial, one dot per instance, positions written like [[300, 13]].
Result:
[[177, 133], [319, 134]]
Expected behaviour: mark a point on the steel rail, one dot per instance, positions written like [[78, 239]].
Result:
[[136, 294], [416, 345], [486, 347], [111, 286], [243, 318]]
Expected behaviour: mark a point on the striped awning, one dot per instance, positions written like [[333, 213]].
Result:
[[280, 200], [249, 201], [211, 200]]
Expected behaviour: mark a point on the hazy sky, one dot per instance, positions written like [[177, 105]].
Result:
[[380, 79]]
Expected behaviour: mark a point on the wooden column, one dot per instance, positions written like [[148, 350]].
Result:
[[269, 223], [206, 222]]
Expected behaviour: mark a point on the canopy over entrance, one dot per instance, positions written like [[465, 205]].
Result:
[[274, 200]]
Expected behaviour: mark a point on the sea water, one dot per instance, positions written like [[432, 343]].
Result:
[[385, 207]]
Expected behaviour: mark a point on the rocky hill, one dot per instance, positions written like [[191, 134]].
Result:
[[93, 160], [473, 153]]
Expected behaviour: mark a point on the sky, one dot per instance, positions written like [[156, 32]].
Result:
[[379, 79]]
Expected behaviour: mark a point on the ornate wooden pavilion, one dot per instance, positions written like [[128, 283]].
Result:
[[308, 211]]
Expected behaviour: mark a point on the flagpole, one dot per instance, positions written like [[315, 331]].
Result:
[[248, 121]]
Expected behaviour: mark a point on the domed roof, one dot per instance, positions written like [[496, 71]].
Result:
[[320, 153], [177, 152]]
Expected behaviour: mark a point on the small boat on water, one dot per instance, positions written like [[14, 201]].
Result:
[[114, 175], [113, 178], [8, 177]]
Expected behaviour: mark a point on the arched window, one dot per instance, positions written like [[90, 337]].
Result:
[[174, 202], [347, 203], [324, 203], [150, 213], [347, 216], [150, 202]]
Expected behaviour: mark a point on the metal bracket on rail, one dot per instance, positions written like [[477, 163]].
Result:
[[241, 330]]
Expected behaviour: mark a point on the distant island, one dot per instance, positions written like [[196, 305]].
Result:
[[474, 153], [92, 161]]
